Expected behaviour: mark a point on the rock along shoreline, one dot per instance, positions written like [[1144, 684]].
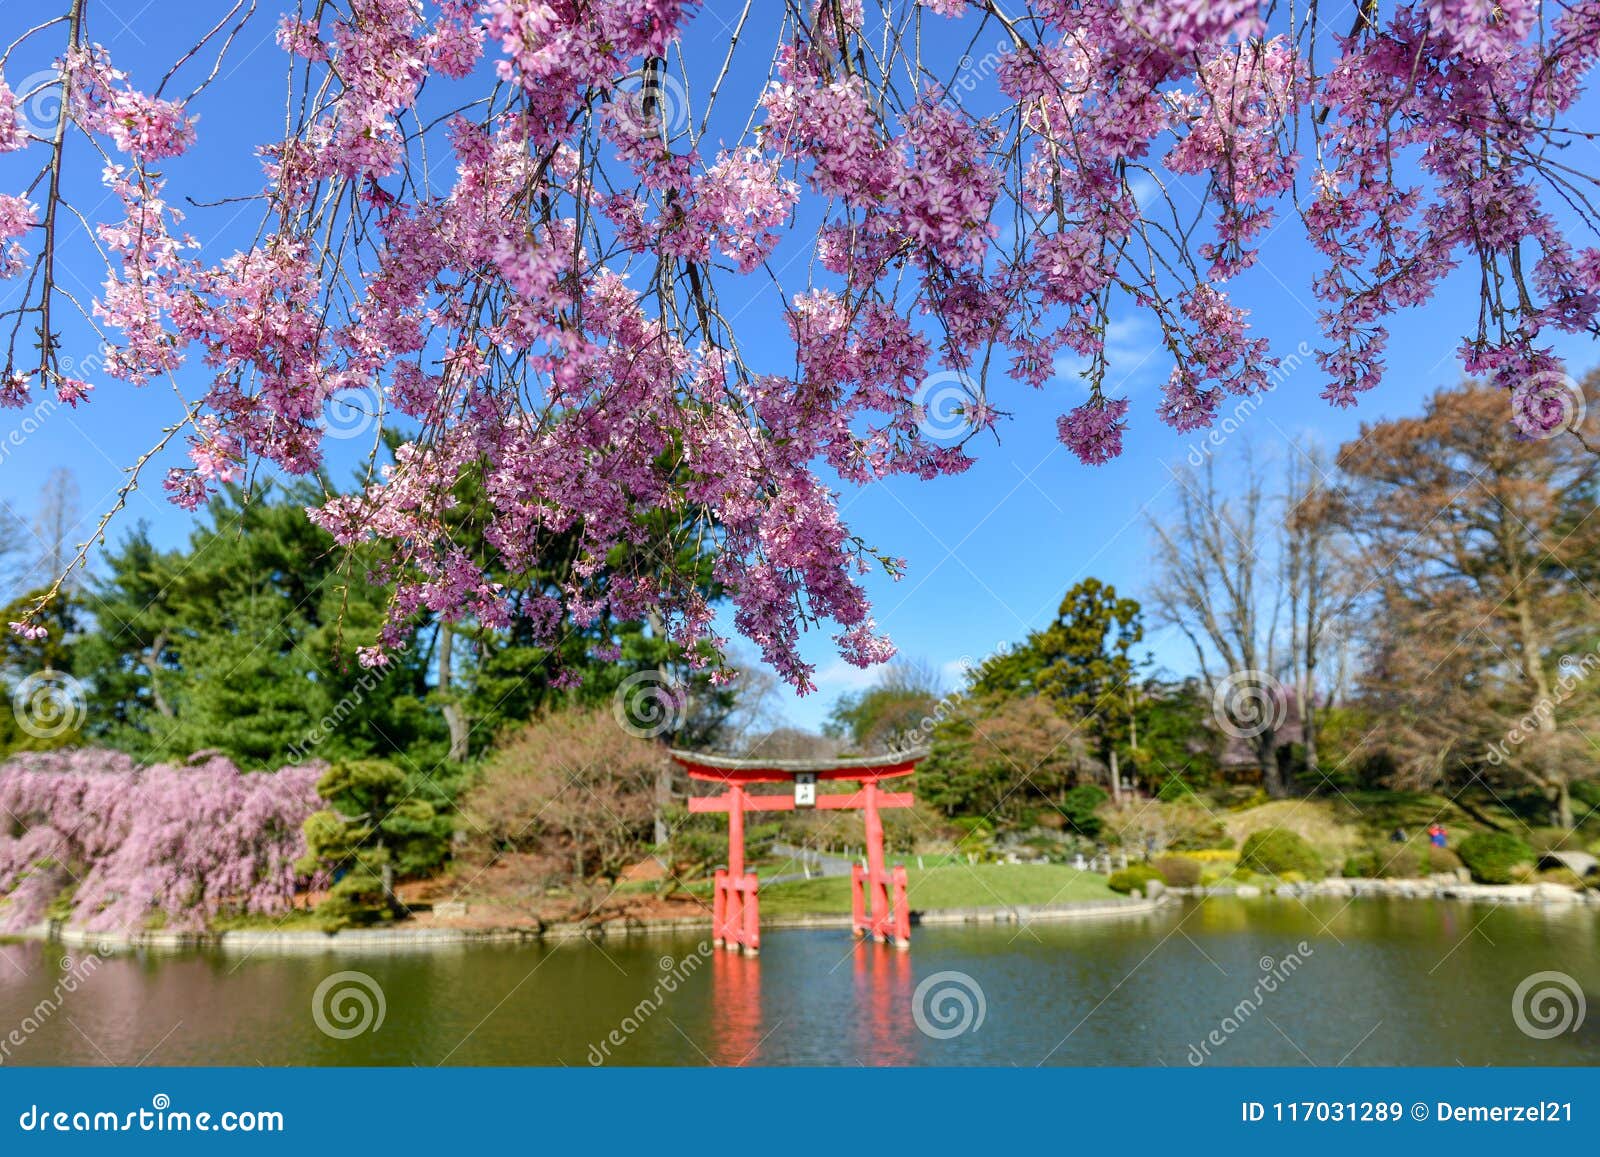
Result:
[[1430, 888], [403, 938]]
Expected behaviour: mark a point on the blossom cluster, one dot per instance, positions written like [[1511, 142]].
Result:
[[544, 290]]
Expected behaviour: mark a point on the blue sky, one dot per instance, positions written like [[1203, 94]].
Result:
[[990, 551]]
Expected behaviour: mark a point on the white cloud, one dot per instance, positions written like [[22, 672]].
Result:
[[1135, 358]]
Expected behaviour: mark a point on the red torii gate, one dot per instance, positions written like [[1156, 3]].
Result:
[[878, 895]]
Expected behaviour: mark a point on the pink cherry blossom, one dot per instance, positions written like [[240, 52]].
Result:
[[538, 248], [185, 842]]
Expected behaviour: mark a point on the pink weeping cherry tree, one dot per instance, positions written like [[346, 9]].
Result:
[[188, 842], [527, 230]]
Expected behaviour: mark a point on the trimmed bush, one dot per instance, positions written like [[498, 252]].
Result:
[[1493, 857], [1274, 851], [1131, 877], [1399, 862], [1178, 871], [1442, 860]]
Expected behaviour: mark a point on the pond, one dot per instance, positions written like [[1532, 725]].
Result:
[[1219, 981]]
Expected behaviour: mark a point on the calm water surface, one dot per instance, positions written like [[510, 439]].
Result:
[[1377, 982]]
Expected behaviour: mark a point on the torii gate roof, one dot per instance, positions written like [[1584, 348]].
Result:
[[743, 769]]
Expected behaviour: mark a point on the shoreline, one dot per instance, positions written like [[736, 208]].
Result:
[[415, 938], [404, 938], [1340, 888]]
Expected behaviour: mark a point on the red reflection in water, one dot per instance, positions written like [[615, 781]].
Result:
[[885, 1031], [735, 1008]]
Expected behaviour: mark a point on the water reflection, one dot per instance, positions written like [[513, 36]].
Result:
[[1403, 982], [885, 1031], [736, 1009]]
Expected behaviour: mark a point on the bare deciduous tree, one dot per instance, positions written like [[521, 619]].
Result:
[[1314, 570], [55, 525], [1257, 583], [1215, 586], [13, 548]]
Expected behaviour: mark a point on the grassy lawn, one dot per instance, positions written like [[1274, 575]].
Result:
[[1377, 813], [956, 886], [1339, 824]]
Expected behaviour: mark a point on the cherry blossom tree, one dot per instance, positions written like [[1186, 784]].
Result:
[[185, 842], [522, 228]]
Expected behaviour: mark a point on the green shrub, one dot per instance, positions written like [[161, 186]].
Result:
[[1442, 860], [1208, 834], [1399, 862], [1178, 871], [1131, 877], [1361, 865], [1273, 851], [1078, 808], [364, 856], [1493, 857]]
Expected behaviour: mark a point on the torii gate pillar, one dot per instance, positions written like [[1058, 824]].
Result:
[[878, 895]]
